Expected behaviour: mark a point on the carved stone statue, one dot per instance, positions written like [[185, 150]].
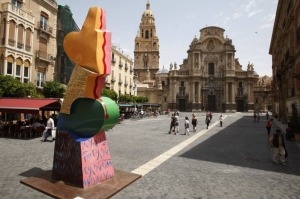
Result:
[[175, 66], [171, 66]]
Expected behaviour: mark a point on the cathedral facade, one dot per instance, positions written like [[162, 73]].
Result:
[[210, 78]]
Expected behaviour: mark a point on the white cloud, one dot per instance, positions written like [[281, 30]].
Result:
[[255, 12], [237, 15], [266, 25], [250, 5]]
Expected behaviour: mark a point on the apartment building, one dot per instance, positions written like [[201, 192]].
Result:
[[285, 51], [121, 78], [28, 40]]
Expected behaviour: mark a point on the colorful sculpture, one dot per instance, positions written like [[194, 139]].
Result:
[[81, 153]]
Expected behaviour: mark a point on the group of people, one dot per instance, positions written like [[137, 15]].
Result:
[[174, 124], [277, 143]]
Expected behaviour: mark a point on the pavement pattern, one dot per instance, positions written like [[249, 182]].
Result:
[[233, 161]]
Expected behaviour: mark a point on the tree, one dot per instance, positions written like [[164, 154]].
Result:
[[53, 89], [140, 99], [110, 93], [125, 98], [10, 86]]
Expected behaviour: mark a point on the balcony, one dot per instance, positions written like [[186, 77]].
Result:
[[126, 84], [126, 67], [131, 69], [120, 81], [44, 56], [113, 79], [8, 7], [120, 64], [45, 28], [113, 61]]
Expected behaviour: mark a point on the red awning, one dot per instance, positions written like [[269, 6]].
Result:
[[26, 105]]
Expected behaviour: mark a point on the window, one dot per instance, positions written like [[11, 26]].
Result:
[[20, 43], [17, 3], [9, 68], [40, 79], [18, 71], [44, 21], [147, 34], [240, 84], [211, 68], [182, 84], [26, 72], [12, 29], [28, 40], [3, 32], [163, 83]]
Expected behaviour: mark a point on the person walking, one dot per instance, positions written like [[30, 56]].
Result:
[[207, 121], [267, 115], [277, 147], [48, 131], [176, 123], [221, 120], [268, 126], [187, 126], [172, 124], [194, 122]]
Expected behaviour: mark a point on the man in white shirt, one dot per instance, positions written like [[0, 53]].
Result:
[[48, 130]]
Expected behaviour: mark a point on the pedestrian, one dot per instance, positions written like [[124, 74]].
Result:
[[221, 120], [187, 126], [172, 124], [48, 131], [268, 126], [194, 122], [207, 121], [254, 117], [277, 147], [176, 123], [267, 115]]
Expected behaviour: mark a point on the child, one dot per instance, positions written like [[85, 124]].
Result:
[[187, 126]]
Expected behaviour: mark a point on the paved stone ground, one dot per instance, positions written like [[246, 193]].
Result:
[[232, 161]]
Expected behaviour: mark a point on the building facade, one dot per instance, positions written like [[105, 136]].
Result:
[[285, 51], [210, 78], [65, 24], [28, 40], [263, 96], [121, 78]]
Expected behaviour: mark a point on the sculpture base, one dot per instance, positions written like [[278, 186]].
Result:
[[60, 189]]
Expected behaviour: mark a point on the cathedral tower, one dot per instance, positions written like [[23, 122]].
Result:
[[146, 50]]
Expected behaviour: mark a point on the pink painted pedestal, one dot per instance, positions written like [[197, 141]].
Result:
[[85, 163]]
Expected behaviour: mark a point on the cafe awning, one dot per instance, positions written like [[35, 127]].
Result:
[[29, 105]]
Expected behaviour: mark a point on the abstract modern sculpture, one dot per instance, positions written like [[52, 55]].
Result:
[[81, 154]]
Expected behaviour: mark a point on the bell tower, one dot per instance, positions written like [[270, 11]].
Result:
[[146, 50]]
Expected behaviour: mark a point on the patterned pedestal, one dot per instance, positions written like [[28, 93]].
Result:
[[83, 163]]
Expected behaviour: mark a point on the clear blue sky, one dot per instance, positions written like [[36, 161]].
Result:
[[249, 23]]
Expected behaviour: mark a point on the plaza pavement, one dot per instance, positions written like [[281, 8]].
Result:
[[232, 161]]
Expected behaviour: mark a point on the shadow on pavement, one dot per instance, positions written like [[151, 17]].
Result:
[[244, 143], [32, 172]]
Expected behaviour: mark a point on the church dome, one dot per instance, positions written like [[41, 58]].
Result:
[[148, 12]]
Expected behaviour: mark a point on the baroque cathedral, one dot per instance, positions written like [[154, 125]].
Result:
[[210, 78]]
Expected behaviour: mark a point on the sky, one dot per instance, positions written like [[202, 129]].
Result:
[[249, 23]]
